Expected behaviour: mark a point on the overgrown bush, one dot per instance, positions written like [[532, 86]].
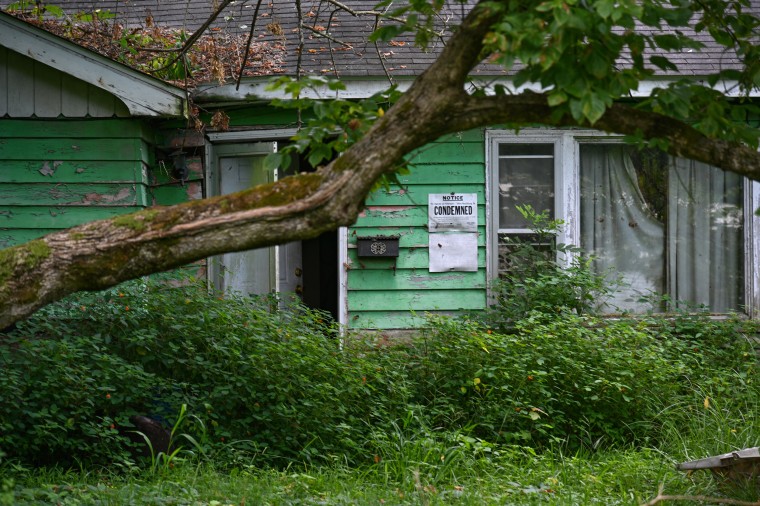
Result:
[[575, 378], [261, 382], [266, 386], [539, 274]]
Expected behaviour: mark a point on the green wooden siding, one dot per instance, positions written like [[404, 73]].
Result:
[[38, 90], [167, 191], [55, 174], [392, 319], [388, 293]]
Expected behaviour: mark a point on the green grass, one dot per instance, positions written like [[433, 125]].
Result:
[[619, 477], [409, 465], [512, 476]]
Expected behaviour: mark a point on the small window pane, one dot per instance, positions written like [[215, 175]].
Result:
[[526, 150], [513, 249], [524, 181]]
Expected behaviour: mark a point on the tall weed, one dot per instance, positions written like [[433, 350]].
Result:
[[571, 378]]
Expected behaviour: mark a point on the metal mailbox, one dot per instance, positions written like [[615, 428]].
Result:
[[377, 246]]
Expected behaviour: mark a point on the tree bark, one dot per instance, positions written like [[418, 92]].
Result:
[[101, 254]]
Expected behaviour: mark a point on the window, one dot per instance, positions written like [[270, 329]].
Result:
[[662, 225], [526, 176]]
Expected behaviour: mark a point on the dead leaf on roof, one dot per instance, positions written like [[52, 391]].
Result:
[[220, 121], [275, 28], [217, 56]]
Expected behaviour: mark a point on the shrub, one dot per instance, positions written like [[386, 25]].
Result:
[[535, 277], [270, 387], [569, 377], [273, 385]]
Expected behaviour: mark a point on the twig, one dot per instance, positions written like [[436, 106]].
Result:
[[327, 36], [379, 14], [379, 55], [299, 52], [701, 498], [329, 44], [248, 45], [182, 51]]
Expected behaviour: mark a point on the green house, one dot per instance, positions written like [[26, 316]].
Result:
[[84, 137]]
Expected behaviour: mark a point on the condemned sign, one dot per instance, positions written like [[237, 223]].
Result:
[[452, 212]]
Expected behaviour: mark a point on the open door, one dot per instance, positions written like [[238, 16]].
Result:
[[235, 167]]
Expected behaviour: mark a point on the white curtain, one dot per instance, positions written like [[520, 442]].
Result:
[[706, 240], [617, 229], [696, 257]]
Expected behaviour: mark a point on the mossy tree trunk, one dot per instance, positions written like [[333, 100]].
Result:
[[104, 253]]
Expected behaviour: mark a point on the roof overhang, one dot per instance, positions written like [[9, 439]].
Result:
[[142, 94], [254, 90]]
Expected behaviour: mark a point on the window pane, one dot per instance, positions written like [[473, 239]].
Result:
[[526, 149], [663, 226], [525, 181], [513, 249]]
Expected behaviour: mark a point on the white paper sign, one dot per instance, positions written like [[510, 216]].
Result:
[[453, 252], [452, 212]]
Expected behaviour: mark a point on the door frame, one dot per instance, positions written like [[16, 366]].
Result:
[[249, 142], [215, 152]]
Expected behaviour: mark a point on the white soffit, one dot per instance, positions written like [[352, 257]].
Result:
[[143, 95], [256, 90]]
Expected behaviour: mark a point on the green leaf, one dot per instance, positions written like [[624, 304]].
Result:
[[54, 10], [318, 154], [387, 33], [273, 161], [597, 65], [593, 108], [556, 98], [662, 62], [605, 8]]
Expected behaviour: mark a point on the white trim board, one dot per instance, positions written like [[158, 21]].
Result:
[[256, 89]]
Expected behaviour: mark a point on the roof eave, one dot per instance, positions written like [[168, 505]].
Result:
[[142, 94], [255, 90]]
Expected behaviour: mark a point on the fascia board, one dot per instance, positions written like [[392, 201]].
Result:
[[256, 91], [143, 95], [251, 91], [644, 90]]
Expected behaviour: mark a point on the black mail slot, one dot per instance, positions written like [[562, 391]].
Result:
[[377, 246]]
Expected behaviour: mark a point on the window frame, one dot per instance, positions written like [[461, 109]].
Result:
[[567, 199]]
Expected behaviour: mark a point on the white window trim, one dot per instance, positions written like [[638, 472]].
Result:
[[567, 200]]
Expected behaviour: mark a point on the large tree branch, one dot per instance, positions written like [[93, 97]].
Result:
[[621, 118]]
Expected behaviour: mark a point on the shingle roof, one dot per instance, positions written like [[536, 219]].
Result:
[[356, 57]]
